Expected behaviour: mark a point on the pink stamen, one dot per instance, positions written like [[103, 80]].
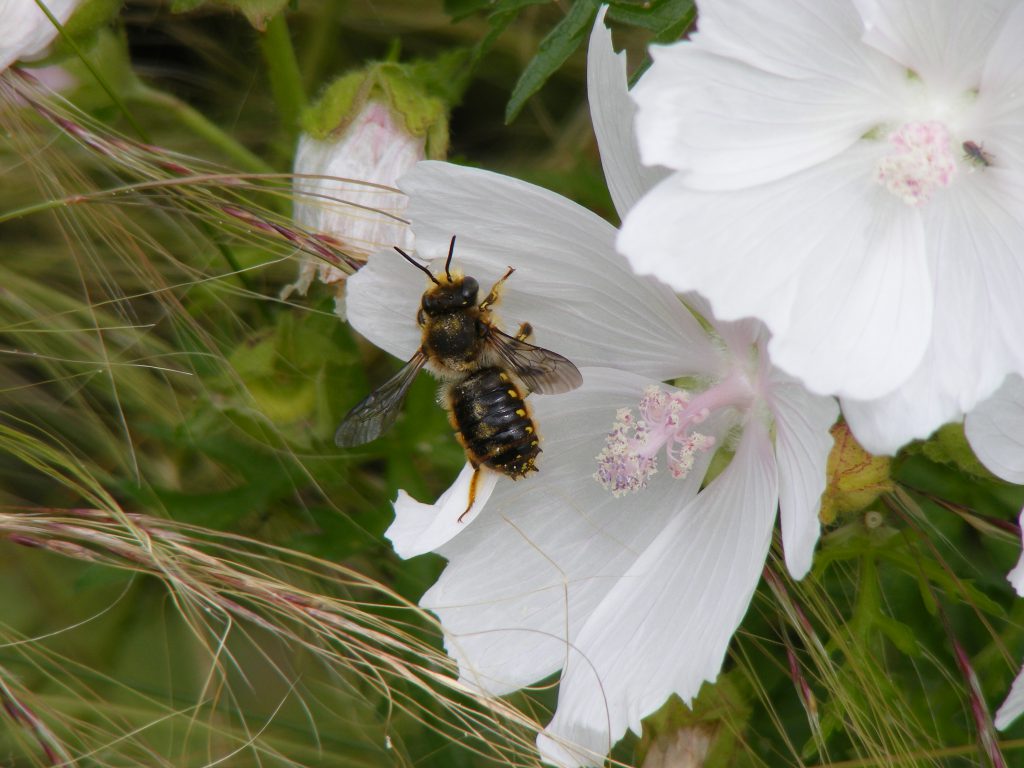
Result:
[[920, 163], [667, 420]]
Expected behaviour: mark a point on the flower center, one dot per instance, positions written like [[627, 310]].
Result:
[[666, 420], [920, 162]]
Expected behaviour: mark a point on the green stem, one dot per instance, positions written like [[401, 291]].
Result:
[[868, 602], [321, 44], [197, 122], [283, 70], [29, 210], [73, 45]]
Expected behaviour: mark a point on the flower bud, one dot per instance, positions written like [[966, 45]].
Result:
[[25, 31], [855, 477], [700, 734], [686, 748], [366, 131]]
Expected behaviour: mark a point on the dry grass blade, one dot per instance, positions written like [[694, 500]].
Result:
[[223, 584]]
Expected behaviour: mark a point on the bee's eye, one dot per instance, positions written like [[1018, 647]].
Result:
[[470, 288]]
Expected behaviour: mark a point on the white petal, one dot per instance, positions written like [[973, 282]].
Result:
[[739, 336], [1016, 576], [382, 299], [419, 528], [802, 446], [579, 294], [665, 627], [861, 318], [914, 410], [523, 578], [995, 430], [942, 41], [730, 125], [1004, 59], [27, 31], [829, 260], [612, 112], [792, 38], [588, 746], [999, 111], [975, 237], [1014, 704]]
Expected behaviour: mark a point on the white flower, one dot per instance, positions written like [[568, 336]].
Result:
[[995, 430], [25, 31], [634, 595], [856, 168], [359, 204]]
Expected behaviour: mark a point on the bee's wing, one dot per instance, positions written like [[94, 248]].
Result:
[[375, 414], [541, 370]]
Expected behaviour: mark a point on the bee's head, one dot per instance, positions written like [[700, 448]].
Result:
[[452, 293]]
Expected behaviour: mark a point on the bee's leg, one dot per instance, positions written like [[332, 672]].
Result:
[[472, 490], [493, 296], [525, 332]]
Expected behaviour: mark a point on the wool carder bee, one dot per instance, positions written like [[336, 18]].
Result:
[[486, 375]]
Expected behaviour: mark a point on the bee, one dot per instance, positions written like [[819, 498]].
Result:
[[486, 375], [976, 154]]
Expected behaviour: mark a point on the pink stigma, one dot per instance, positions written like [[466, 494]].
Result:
[[630, 454], [921, 162]]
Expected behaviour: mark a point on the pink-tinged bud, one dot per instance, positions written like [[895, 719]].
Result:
[[367, 129], [25, 31], [374, 149]]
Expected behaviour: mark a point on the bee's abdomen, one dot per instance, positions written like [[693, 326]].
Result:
[[493, 422]]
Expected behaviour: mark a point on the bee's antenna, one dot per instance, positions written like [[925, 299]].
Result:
[[448, 263], [419, 266]]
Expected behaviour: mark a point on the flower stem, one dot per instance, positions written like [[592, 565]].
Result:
[[283, 70], [320, 44], [29, 210]]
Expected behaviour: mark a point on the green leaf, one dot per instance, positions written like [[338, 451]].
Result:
[[959, 589], [668, 19], [927, 596], [554, 49], [949, 446], [514, 6], [899, 634], [460, 9], [502, 13], [659, 16]]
